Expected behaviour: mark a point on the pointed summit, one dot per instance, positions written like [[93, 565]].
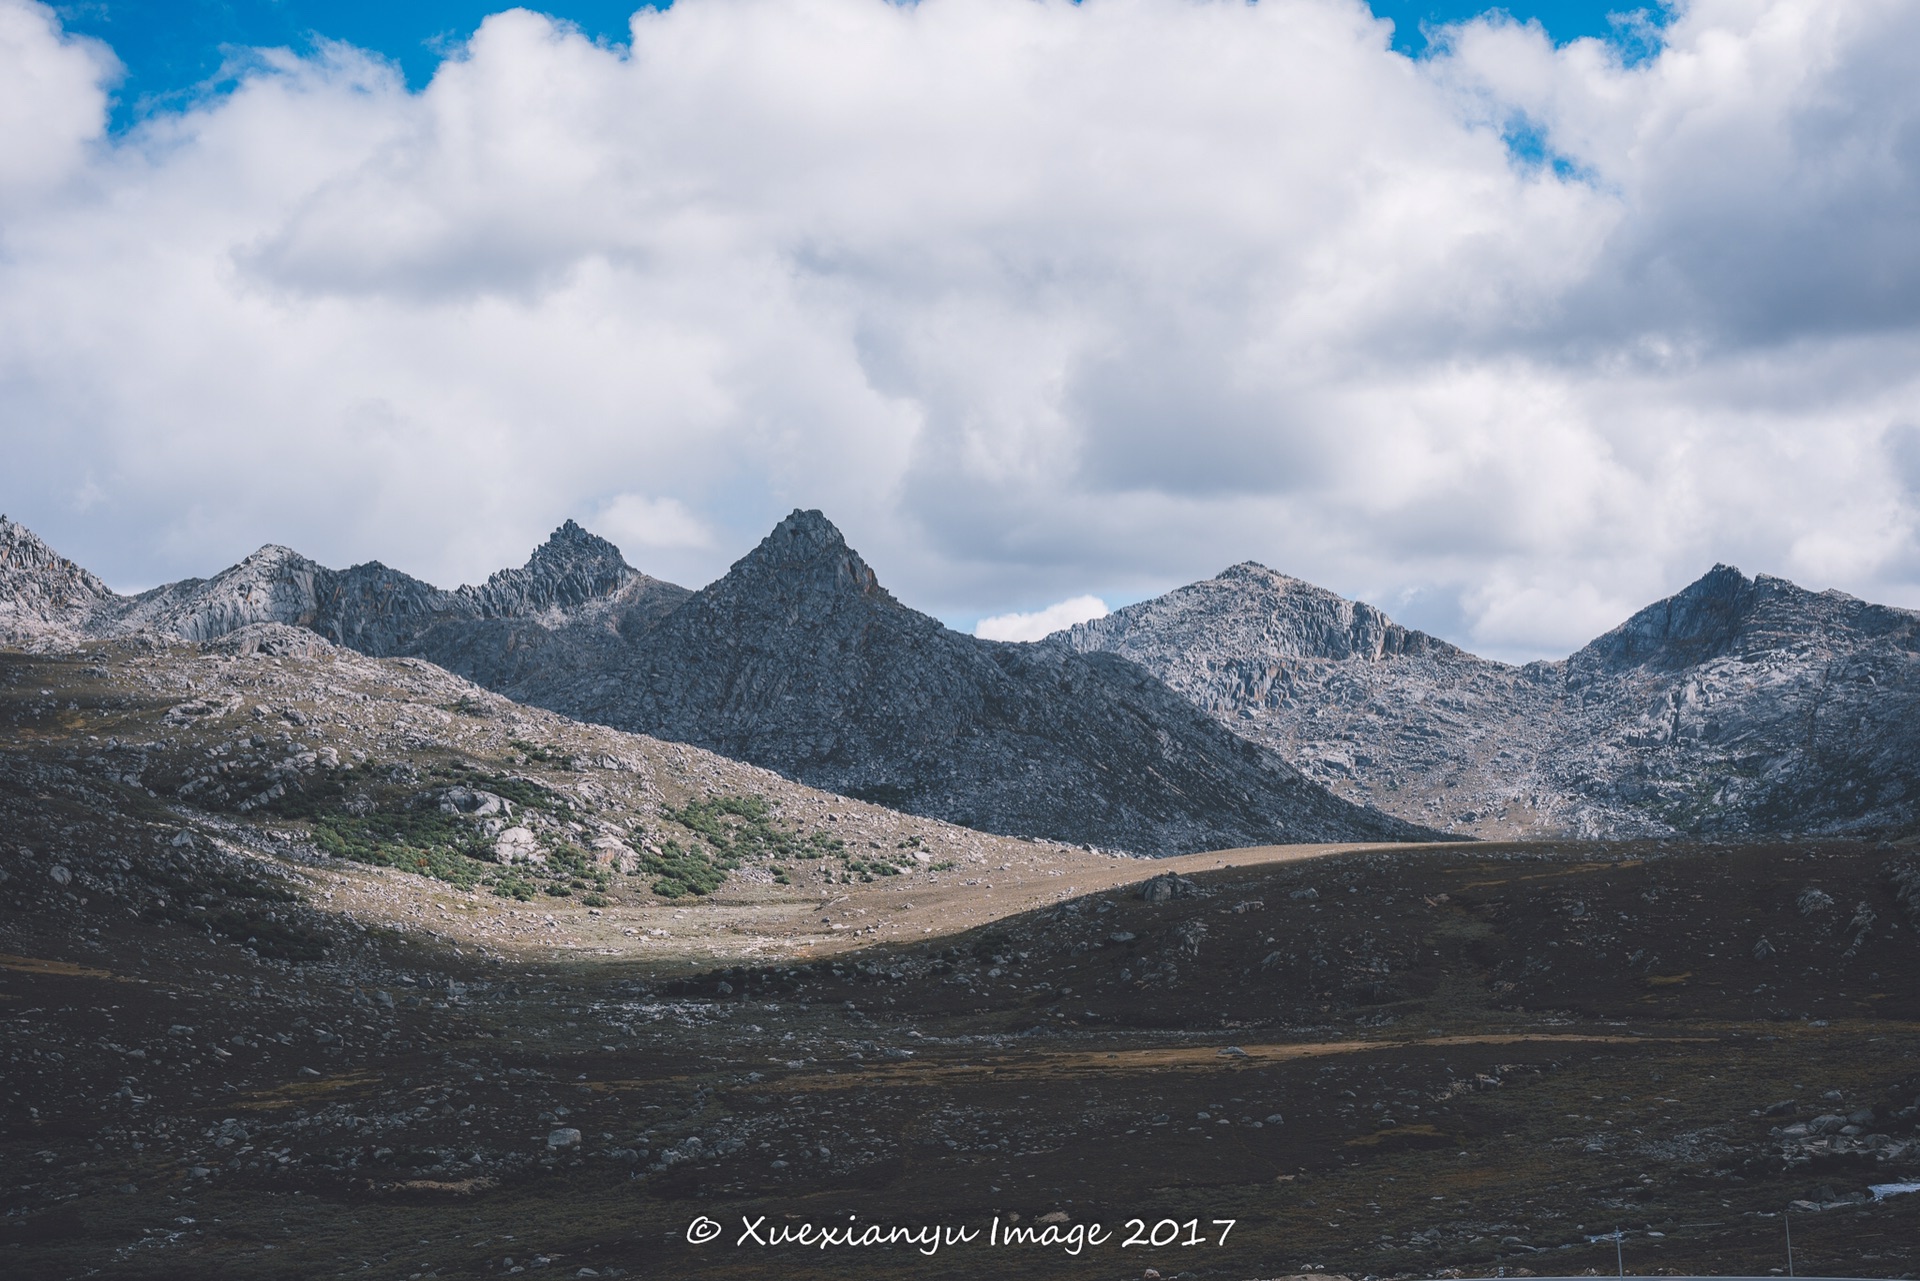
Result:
[[806, 556], [572, 534], [1696, 623]]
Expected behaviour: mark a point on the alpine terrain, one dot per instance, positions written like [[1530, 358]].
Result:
[[1739, 705], [796, 660]]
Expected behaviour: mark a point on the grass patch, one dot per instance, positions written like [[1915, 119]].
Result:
[[368, 815], [725, 832]]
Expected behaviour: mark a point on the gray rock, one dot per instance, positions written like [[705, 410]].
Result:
[[61, 876], [1736, 706], [471, 801], [611, 851], [563, 1138], [518, 845], [44, 597], [1170, 886]]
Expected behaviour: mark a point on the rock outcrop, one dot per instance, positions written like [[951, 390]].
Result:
[[43, 595]]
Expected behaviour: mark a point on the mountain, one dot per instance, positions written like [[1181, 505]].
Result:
[[1737, 705], [799, 661], [43, 595], [574, 578]]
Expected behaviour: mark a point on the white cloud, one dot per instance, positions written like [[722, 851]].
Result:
[[1042, 622], [636, 523], [1027, 295], [52, 103]]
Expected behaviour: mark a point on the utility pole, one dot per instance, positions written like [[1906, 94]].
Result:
[[1786, 1217]]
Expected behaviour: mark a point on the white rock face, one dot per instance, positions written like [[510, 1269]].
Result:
[[44, 597], [611, 851], [518, 845]]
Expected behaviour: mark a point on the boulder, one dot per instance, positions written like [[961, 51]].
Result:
[[518, 845], [611, 851], [472, 801], [1168, 886]]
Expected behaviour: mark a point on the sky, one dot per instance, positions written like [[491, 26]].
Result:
[[1507, 321]]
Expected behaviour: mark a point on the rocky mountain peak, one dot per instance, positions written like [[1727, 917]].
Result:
[[1696, 623], [1251, 571], [28, 564], [806, 556], [573, 566], [39, 588], [1246, 614]]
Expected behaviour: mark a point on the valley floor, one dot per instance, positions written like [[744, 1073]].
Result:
[[1371, 1062]]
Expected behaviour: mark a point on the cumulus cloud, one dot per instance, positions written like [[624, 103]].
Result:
[[638, 523], [1028, 295], [52, 101], [1041, 622]]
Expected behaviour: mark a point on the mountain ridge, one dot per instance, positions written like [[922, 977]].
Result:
[[799, 660], [1733, 706]]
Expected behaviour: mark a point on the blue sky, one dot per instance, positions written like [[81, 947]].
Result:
[[174, 50]]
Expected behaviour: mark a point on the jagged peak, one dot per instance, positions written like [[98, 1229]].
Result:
[[807, 527], [30, 567], [808, 550], [571, 544], [572, 533], [573, 566]]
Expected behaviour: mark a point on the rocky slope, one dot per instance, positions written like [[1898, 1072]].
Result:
[[800, 661], [43, 595], [797, 661], [1736, 706]]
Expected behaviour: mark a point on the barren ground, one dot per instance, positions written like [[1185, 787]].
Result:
[[229, 1054]]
